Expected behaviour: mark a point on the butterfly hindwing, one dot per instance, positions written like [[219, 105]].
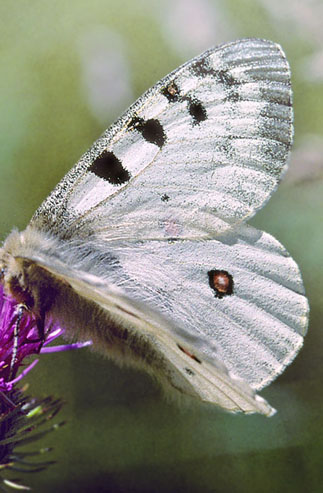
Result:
[[212, 137], [131, 332], [243, 294], [239, 300]]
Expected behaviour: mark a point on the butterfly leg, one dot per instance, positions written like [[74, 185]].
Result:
[[40, 322], [7, 401], [20, 312]]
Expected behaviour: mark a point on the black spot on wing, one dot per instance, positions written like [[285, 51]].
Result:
[[226, 78], [165, 197], [171, 92], [151, 130], [202, 68], [221, 282], [195, 107], [108, 167], [197, 111]]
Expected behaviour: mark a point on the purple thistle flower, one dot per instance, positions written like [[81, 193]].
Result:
[[20, 415]]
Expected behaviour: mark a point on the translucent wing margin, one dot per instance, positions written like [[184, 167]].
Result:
[[199, 152]]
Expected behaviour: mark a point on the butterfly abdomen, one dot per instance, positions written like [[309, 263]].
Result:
[[27, 279]]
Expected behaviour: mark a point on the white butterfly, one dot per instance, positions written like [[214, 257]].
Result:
[[142, 246]]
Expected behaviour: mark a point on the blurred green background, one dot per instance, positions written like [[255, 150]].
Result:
[[68, 69]]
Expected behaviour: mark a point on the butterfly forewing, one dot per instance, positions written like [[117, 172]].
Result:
[[201, 151], [143, 239]]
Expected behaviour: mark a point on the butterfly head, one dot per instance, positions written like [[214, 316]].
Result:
[[12, 270]]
